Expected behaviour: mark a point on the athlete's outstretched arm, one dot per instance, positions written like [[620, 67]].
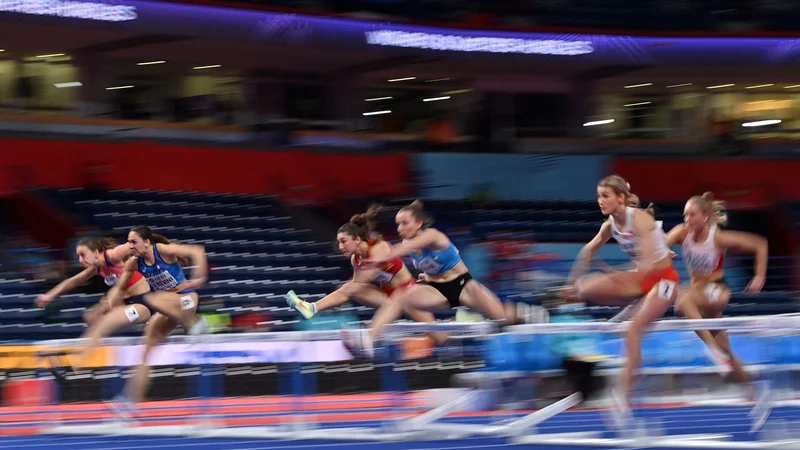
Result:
[[751, 243], [66, 286], [428, 239], [676, 235], [196, 254], [584, 259]]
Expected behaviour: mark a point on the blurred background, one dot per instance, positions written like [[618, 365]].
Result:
[[257, 128]]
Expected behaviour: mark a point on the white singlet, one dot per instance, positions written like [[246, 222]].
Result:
[[702, 258], [629, 243]]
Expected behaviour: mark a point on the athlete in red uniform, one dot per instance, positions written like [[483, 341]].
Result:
[[392, 276], [103, 257]]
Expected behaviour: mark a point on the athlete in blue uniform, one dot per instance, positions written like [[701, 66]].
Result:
[[446, 281], [172, 296]]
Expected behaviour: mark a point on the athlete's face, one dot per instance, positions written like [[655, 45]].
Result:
[[608, 200], [347, 244], [693, 217], [87, 257], [138, 245], [407, 224]]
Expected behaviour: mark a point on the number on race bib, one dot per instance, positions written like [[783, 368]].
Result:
[[132, 313], [187, 302], [666, 289]]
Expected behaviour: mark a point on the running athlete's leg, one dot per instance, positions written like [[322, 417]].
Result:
[[416, 297], [181, 308], [687, 304], [155, 334], [652, 308], [480, 298], [722, 341], [365, 293], [373, 296], [118, 318], [617, 288], [96, 312]]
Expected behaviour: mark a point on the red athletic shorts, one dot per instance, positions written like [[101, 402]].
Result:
[[389, 290], [650, 281]]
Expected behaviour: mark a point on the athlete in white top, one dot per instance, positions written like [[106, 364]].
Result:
[[703, 245], [655, 279]]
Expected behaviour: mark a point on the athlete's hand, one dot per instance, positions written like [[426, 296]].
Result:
[[756, 284], [422, 278], [195, 283], [672, 254], [43, 300]]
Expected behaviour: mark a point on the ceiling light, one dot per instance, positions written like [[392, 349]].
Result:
[[438, 79], [150, 63], [52, 55], [377, 99], [435, 99], [638, 85], [375, 113], [115, 88], [721, 86], [68, 85], [1, 50], [759, 86], [638, 104], [460, 91], [402, 79], [213, 66], [761, 123], [678, 85], [792, 86], [598, 122]]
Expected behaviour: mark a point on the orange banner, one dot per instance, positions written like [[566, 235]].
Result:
[[14, 357]]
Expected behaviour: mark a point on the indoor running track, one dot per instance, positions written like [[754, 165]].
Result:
[[729, 420]]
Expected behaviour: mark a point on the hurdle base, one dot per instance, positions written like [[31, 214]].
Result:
[[693, 441]]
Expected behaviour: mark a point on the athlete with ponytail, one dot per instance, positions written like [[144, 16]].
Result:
[[655, 280], [356, 241], [103, 257], [446, 281], [703, 247], [173, 297]]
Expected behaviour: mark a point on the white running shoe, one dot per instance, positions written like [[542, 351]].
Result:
[[358, 342], [122, 407], [621, 415], [626, 313], [721, 359], [199, 327], [763, 407], [302, 306]]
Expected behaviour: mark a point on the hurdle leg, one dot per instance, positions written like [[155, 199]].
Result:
[[518, 426], [436, 413]]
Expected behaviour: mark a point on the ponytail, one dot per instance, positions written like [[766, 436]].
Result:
[[621, 187], [362, 225], [415, 208], [715, 209], [98, 244], [147, 234]]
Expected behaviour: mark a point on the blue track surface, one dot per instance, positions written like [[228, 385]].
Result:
[[732, 421]]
